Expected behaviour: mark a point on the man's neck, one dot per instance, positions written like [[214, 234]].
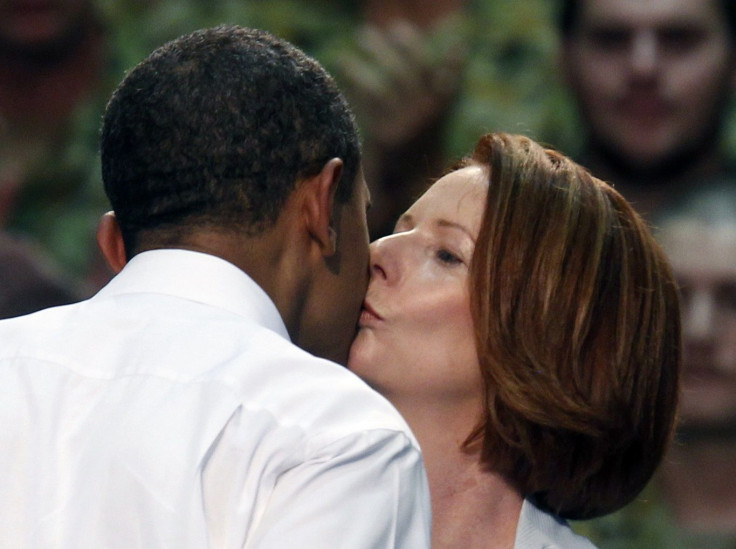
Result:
[[276, 259]]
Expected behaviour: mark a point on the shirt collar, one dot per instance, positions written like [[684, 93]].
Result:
[[199, 277], [540, 530]]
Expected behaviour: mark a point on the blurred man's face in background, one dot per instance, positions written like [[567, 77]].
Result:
[[703, 258], [651, 77], [34, 25]]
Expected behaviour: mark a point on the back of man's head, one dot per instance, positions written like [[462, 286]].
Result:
[[214, 129]]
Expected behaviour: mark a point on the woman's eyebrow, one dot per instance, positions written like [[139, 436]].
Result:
[[445, 223]]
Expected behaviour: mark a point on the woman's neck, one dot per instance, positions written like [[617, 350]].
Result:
[[471, 506]]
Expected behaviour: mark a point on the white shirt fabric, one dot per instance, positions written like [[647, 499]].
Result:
[[540, 530], [172, 410]]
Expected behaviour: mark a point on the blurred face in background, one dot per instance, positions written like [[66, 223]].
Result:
[[41, 25], [651, 77], [703, 259]]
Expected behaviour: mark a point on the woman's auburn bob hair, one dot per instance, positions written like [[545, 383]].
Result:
[[577, 325]]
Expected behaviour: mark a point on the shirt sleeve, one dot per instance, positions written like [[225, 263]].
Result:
[[364, 491]]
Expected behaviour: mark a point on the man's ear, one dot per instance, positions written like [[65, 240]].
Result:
[[110, 241], [318, 204]]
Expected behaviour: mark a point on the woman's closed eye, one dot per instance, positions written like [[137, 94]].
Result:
[[447, 257]]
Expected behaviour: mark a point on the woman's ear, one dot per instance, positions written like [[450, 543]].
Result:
[[110, 241], [319, 203]]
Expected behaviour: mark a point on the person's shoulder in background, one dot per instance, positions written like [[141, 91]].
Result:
[[29, 280]]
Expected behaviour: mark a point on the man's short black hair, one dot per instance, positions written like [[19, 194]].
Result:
[[215, 128], [569, 15]]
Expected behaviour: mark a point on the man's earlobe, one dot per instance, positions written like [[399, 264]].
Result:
[[110, 241]]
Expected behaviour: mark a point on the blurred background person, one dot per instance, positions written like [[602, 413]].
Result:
[[50, 61], [59, 62], [427, 78], [402, 74], [652, 81], [28, 281], [699, 479], [53, 59], [692, 501]]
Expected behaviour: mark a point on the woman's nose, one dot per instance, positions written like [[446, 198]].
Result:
[[384, 259]]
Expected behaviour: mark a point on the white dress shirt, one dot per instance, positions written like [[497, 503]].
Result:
[[172, 410], [540, 530]]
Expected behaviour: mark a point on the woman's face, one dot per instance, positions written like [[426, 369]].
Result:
[[415, 337]]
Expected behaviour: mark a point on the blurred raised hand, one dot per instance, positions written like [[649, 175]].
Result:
[[401, 79], [402, 82]]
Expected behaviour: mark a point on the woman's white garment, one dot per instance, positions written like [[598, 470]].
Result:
[[540, 530]]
